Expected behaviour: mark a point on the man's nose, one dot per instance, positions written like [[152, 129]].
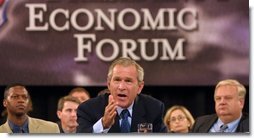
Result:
[[222, 100], [122, 85], [21, 99], [73, 113]]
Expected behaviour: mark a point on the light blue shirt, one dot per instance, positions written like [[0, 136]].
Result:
[[98, 127], [232, 126], [23, 128]]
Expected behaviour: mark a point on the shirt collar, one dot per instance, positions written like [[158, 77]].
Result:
[[24, 126], [232, 125], [120, 109]]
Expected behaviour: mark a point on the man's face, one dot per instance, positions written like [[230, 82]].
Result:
[[227, 102], [68, 115], [124, 85], [17, 101], [82, 96]]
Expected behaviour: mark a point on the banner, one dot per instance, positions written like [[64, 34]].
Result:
[[73, 42]]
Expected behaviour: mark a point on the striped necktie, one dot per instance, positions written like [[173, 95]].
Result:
[[223, 128], [125, 126]]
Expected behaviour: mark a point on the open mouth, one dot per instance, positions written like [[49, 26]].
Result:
[[122, 95]]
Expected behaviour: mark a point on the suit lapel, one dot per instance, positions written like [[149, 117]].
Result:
[[138, 114], [210, 123], [7, 127], [116, 126], [32, 126]]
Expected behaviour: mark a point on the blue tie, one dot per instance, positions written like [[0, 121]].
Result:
[[223, 128], [17, 129], [125, 126]]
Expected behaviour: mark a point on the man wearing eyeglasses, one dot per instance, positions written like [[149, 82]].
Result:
[[16, 101]]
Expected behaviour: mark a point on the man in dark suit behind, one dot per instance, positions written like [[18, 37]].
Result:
[[229, 99], [125, 82]]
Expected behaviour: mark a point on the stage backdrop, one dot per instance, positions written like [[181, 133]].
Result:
[[72, 42]]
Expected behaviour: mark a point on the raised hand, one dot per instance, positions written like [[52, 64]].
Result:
[[108, 118]]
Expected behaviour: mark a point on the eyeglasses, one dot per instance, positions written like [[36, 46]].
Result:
[[179, 118]]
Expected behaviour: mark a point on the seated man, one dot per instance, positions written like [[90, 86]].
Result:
[[67, 113], [125, 107], [16, 101], [229, 99]]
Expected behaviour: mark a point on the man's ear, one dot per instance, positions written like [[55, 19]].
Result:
[[242, 102], [59, 114], [141, 85], [108, 84], [4, 103]]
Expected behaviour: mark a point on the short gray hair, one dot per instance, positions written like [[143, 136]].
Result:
[[127, 62], [240, 88]]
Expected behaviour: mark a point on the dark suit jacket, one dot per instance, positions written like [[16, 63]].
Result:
[[145, 109], [204, 123]]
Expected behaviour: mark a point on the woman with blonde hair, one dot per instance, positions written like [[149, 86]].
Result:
[[178, 119]]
